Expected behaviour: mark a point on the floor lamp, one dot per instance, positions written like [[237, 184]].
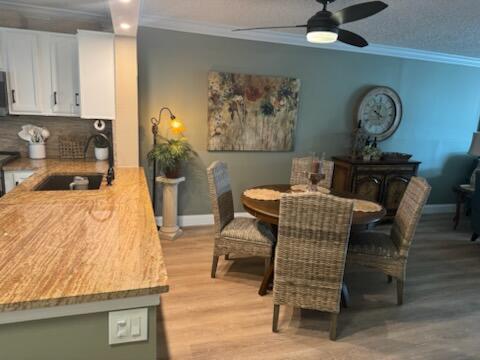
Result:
[[174, 124]]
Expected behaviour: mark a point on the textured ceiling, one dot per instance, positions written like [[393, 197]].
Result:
[[435, 25], [94, 7]]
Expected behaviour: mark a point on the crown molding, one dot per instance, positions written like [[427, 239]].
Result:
[[168, 23]]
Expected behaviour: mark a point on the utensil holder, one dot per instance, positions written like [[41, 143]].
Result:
[[37, 151]]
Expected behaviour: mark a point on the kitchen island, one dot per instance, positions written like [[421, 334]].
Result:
[[77, 254]]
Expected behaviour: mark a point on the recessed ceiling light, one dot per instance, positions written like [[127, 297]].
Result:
[[125, 26], [125, 1]]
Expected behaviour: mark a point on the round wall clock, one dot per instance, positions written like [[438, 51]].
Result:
[[380, 112]]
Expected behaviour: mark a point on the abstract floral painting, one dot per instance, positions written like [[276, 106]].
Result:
[[251, 112]]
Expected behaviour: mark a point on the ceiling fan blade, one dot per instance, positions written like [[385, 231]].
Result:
[[359, 11], [351, 38], [271, 27]]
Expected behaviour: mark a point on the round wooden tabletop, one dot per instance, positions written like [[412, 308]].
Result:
[[268, 210]]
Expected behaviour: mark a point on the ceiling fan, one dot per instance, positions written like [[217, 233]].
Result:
[[323, 27]]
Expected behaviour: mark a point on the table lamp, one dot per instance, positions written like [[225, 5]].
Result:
[[475, 151]]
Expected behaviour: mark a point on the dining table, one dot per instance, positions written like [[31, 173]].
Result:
[[268, 212]]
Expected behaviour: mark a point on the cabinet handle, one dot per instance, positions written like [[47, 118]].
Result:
[[77, 103], [54, 98], [13, 96]]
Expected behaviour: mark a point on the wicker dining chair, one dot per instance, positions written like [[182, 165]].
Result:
[[239, 236], [302, 165], [389, 253], [310, 255]]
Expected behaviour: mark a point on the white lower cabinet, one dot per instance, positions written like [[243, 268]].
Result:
[[14, 178]]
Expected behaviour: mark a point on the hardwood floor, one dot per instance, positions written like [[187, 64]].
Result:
[[224, 318]]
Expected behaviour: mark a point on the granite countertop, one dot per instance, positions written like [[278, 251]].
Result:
[[69, 247]]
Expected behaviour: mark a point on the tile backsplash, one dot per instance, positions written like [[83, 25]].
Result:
[[57, 125]]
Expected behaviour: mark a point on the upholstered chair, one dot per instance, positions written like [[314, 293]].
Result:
[[302, 165], [310, 255], [239, 236], [476, 208], [389, 252]]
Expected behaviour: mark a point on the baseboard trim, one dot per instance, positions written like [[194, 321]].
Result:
[[439, 209], [197, 220], [207, 219]]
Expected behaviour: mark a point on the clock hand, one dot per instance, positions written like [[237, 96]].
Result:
[[378, 114]]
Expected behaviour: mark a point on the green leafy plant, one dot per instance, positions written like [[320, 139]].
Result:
[[373, 152], [170, 153]]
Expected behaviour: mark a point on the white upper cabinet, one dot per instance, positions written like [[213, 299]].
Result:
[[23, 64], [64, 95], [97, 74]]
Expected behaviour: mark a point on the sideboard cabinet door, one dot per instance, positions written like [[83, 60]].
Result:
[[395, 186], [368, 187], [381, 181]]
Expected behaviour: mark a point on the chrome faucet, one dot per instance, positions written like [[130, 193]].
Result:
[[111, 171]]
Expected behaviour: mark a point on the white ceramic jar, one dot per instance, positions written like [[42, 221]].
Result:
[[101, 153], [37, 151]]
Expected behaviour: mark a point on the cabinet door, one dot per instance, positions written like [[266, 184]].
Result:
[[14, 178], [23, 72], [9, 181], [64, 75], [97, 74], [368, 187], [395, 186]]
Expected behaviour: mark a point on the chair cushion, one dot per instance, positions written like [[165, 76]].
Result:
[[248, 230], [372, 243]]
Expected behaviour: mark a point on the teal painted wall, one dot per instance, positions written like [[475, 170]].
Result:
[[440, 102]]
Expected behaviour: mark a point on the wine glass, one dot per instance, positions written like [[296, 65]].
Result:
[[316, 172]]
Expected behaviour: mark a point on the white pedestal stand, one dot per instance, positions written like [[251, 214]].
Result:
[[170, 229]]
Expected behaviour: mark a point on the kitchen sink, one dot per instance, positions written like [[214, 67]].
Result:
[[62, 182]]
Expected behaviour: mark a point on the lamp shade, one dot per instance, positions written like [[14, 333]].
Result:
[[475, 147]]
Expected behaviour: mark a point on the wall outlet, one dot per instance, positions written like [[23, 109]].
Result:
[[127, 326]]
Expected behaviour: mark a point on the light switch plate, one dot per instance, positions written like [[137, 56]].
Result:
[[127, 326]]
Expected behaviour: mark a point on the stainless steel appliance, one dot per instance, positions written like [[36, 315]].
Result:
[[5, 157], [3, 94]]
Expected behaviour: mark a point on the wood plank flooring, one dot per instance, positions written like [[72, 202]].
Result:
[[224, 318]]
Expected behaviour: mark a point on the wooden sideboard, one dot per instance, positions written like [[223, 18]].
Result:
[[380, 181]]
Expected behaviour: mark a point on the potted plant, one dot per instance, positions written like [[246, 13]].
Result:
[[170, 153], [101, 148]]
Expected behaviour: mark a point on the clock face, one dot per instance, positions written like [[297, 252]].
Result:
[[380, 113]]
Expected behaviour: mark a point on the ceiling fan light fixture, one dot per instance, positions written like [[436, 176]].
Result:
[[322, 37]]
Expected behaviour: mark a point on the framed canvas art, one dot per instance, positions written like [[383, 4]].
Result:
[[251, 112]]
